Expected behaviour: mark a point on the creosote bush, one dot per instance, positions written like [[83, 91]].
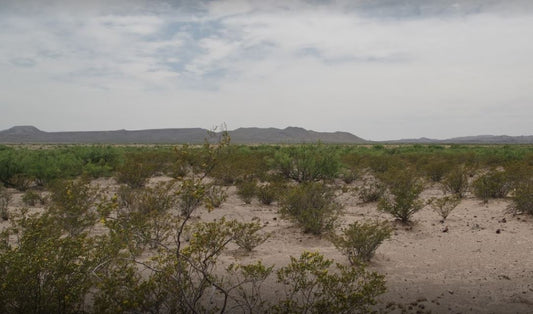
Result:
[[307, 163], [31, 198], [246, 190], [359, 241], [402, 199], [73, 202], [215, 196], [456, 181], [493, 184], [522, 200], [135, 170], [313, 284], [313, 206], [444, 205], [5, 198], [247, 236], [270, 192], [371, 191]]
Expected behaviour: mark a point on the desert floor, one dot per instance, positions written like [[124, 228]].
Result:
[[483, 263]]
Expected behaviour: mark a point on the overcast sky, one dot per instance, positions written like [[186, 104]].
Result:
[[380, 69]]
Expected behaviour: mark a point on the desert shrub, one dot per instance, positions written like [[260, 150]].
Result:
[[313, 206], [436, 170], [380, 164], [72, 204], [21, 181], [31, 198], [246, 190], [159, 198], [97, 170], [191, 195], [5, 198], [313, 285], [402, 199], [456, 181], [246, 235], [359, 241], [371, 191], [45, 271], [135, 170], [444, 205], [307, 162], [238, 163], [270, 192], [215, 196], [248, 281], [493, 184], [348, 175], [522, 200]]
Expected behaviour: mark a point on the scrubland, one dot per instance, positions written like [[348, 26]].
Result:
[[273, 229]]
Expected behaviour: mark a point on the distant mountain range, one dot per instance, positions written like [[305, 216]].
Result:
[[479, 139], [290, 135]]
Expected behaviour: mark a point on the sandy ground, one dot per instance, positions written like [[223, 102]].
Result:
[[482, 264]]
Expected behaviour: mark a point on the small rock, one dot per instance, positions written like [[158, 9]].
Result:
[[445, 229], [503, 220], [450, 291], [498, 231]]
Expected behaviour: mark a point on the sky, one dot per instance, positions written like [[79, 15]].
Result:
[[380, 69]]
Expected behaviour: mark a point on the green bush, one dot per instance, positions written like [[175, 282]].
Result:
[[246, 190], [444, 206], [72, 204], [371, 191], [522, 200], [359, 241], [31, 198], [313, 285], [493, 184], [246, 235], [135, 170], [45, 271], [436, 170], [5, 198], [313, 206], [269, 192], [215, 196], [402, 200], [456, 182], [307, 162]]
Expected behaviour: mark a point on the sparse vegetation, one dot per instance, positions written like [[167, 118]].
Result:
[[149, 249], [371, 191], [359, 241], [456, 182], [246, 190], [522, 200], [246, 234], [5, 198], [493, 184], [402, 199], [313, 285], [444, 205], [312, 206]]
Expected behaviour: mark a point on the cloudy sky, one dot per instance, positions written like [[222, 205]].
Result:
[[381, 69]]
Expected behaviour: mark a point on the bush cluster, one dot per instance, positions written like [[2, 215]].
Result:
[[313, 206]]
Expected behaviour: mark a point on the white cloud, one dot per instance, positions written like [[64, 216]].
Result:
[[265, 64]]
